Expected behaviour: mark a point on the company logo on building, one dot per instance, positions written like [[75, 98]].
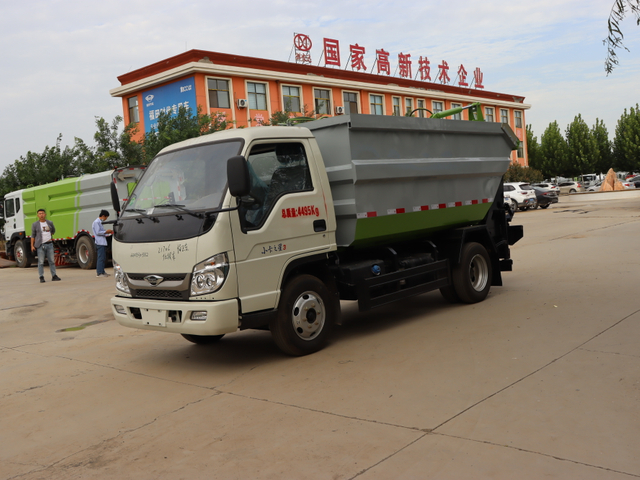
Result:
[[331, 53]]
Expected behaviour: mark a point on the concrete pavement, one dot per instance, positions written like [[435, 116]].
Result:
[[539, 381]]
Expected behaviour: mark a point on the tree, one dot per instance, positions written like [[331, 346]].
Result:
[[553, 149], [604, 155], [518, 173], [581, 147], [626, 143], [184, 125], [54, 163], [533, 150], [613, 41]]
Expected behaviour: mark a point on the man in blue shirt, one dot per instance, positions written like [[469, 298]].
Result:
[[100, 235]]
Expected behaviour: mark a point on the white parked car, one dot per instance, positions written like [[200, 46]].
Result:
[[522, 194]]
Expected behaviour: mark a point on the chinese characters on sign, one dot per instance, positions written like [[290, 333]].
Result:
[[331, 55], [303, 45]]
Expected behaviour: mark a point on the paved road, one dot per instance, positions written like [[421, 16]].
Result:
[[539, 381]]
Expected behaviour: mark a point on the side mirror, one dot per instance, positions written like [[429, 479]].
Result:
[[115, 201], [238, 176]]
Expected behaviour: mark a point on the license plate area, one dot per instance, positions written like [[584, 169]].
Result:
[[156, 318]]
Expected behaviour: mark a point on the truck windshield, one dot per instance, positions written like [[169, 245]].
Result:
[[191, 179], [178, 196]]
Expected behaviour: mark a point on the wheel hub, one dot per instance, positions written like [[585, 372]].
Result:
[[308, 316], [478, 273]]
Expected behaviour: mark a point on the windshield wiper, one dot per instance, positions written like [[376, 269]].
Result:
[[180, 207], [143, 213]]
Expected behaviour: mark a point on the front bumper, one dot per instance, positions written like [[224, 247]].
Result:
[[175, 317]]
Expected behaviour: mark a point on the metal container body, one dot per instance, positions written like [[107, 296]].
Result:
[[397, 178]]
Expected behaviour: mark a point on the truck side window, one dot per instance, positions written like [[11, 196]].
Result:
[[275, 170], [17, 205], [8, 206]]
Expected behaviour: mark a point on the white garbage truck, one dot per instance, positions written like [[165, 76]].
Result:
[[272, 227]]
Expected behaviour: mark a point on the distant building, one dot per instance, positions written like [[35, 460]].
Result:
[[249, 90]]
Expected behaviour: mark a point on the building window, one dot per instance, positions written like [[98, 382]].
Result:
[[396, 106], [504, 115], [257, 96], [322, 101], [408, 106], [456, 116], [134, 113], [291, 98], [376, 105], [350, 102], [488, 114], [218, 93], [437, 107], [518, 115], [520, 149], [421, 107]]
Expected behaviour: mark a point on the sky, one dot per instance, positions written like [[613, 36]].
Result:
[[60, 58]]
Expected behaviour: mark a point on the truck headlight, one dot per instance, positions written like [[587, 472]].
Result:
[[121, 280], [208, 276]]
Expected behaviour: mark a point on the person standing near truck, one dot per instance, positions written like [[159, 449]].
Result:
[[42, 241], [100, 235]]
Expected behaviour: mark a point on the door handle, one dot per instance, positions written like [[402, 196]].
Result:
[[319, 225]]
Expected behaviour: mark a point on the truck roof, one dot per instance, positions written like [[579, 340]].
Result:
[[246, 134]]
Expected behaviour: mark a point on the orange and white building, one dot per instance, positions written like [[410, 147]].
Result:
[[247, 91]]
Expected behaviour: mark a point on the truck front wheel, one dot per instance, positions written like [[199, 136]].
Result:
[[22, 254], [86, 253], [472, 276], [306, 314]]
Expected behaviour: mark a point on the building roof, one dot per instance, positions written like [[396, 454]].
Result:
[[202, 61]]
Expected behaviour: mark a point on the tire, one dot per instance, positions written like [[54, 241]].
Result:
[[524, 209], [306, 314], [86, 253], [544, 206], [22, 254], [572, 191], [472, 276], [203, 339]]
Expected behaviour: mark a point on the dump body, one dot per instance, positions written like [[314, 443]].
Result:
[[397, 178]]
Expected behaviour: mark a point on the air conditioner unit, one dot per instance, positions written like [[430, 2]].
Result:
[[339, 110], [243, 103]]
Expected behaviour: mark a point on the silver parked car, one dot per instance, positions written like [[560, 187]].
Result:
[[571, 187]]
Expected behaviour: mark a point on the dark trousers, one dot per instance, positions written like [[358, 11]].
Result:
[[102, 258]]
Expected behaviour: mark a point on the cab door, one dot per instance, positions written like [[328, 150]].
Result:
[[13, 215], [283, 218]]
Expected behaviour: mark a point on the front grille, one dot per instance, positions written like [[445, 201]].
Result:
[[168, 294], [167, 278]]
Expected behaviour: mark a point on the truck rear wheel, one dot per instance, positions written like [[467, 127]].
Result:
[[472, 276], [22, 254], [86, 253], [306, 314], [203, 339]]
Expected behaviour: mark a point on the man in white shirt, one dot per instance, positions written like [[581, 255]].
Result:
[[42, 241], [100, 235]]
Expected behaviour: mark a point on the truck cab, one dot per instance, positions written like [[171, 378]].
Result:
[[200, 240]]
